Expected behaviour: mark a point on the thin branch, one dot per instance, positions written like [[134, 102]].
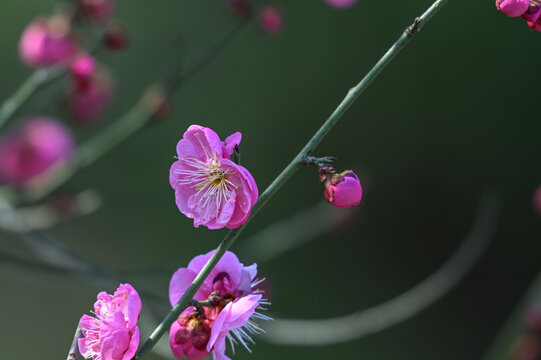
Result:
[[282, 178], [74, 348], [383, 316]]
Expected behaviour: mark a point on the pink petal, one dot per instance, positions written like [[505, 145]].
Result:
[[133, 308], [229, 263], [219, 349], [114, 346], [134, 343], [175, 348], [179, 283], [205, 141], [228, 146], [241, 310], [217, 326]]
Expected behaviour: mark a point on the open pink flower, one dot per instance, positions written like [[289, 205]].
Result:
[[31, 149], [47, 42], [230, 288], [209, 187], [341, 4], [343, 190], [113, 333]]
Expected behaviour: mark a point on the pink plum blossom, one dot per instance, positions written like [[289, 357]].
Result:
[[91, 93], [209, 187], [100, 10], [31, 149], [341, 4], [230, 288], [271, 19], [343, 190], [512, 8], [113, 333], [47, 42]]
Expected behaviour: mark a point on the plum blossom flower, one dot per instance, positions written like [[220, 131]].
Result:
[[231, 290], [343, 190], [209, 187], [512, 8], [341, 4], [112, 333], [532, 14], [47, 42], [99, 10], [91, 91], [31, 149], [271, 19]]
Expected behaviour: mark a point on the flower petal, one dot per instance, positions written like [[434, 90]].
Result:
[[228, 145], [134, 343], [181, 279]]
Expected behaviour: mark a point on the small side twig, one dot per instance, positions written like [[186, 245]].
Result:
[[74, 349]]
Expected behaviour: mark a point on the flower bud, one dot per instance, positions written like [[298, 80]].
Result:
[[115, 37], [343, 190], [271, 19], [99, 10], [47, 42], [341, 4], [89, 97], [82, 70], [532, 14], [30, 150], [512, 8]]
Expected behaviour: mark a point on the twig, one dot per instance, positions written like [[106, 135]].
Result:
[[282, 178], [74, 349], [406, 305]]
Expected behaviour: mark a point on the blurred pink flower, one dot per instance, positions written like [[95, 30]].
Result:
[[344, 190], [271, 19], [512, 8], [47, 42], [91, 92], [537, 200], [113, 333], [100, 10], [230, 287], [115, 37], [31, 149], [209, 187], [341, 4]]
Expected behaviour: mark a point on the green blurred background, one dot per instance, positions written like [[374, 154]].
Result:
[[455, 114]]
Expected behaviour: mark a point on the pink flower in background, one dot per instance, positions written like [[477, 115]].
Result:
[[115, 37], [344, 190], [31, 149], [341, 4], [209, 187], [47, 42], [91, 93], [113, 333], [537, 200], [532, 14], [100, 10], [271, 19], [230, 287], [512, 8]]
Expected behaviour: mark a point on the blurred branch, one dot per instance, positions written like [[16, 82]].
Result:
[[38, 79], [513, 326], [74, 348], [295, 231], [383, 316], [287, 173], [43, 216]]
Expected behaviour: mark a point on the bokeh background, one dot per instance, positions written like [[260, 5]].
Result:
[[454, 115]]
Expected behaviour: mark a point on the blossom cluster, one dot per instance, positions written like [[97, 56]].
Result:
[[528, 10]]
